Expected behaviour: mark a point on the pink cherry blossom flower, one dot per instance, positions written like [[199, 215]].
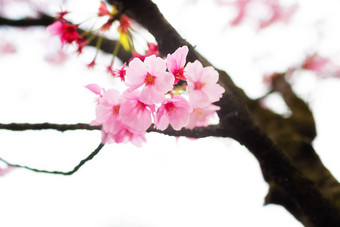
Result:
[[81, 42], [95, 89], [6, 170], [103, 11], [120, 73], [57, 58], [107, 110], [110, 70], [151, 76], [242, 6], [176, 62], [126, 134], [322, 66], [152, 50], [134, 112], [125, 24], [91, 64], [278, 14], [61, 15], [202, 84], [7, 48], [174, 111], [107, 25], [67, 32], [200, 116], [315, 63]]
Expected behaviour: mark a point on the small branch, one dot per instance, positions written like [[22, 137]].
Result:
[[302, 117], [75, 169], [198, 132], [43, 126], [43, 20]]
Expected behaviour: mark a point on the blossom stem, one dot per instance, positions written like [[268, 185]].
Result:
[[98, 44]]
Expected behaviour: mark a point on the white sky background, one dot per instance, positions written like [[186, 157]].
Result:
[[206, 182]]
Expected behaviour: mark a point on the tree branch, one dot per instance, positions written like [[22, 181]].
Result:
[[241, 119], [198, 132], [43, 20], [75, 169], [302, 117], [43, 126], [313, 209]]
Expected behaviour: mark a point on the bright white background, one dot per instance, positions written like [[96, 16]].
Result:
[[167, 182]]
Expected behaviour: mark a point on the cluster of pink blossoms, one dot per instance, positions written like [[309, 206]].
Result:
[[151, 98]]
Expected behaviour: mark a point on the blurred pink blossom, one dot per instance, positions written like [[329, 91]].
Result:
[[66, 32], [200, 116], [57, 58], [241, 6], [7, 48], [6, 170], [278, 14], [103, 11]]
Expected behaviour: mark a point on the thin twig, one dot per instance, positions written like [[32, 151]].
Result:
[[42, 126], [75, 169]]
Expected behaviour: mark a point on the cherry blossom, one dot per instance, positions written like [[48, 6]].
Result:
[[152, 50], [57, 58], [200, 116], [151, 76], [61, 15], [126, 134], [107, 110], [152, 98], [315, 63], [7, 48], [278, 14], [134, 112], [125, 23], [120, 73], [174, 111], [322, 66], [92, 64], [95, 89], [81, 42], [66, 32], [176, 62], [6, 170], [103, 11], [241, 6], [202, 84]]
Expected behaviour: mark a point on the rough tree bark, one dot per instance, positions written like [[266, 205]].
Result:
[[296, 177]]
